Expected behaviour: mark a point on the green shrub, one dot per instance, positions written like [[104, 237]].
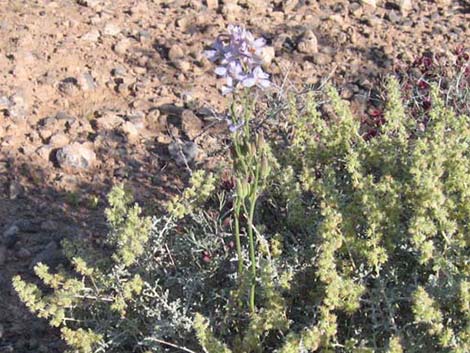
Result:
[[361, 245]]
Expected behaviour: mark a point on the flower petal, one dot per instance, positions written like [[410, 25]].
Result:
[[220, 71]]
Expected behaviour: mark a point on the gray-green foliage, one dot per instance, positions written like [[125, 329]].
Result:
[[362, 246]]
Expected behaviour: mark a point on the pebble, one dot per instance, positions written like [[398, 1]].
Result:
[[109, 120], [308, 43], [182, 153], [18, 108], [111, 29], [75, 156], [175, 53], [122, 46], [130, 130], [191, 124], [69, 86], [15, 190], [231, 11], [91, 36], [59, 139], [372, 3], [322, 58], [87, 82], [268, 54], [393, 16], [212, 4]]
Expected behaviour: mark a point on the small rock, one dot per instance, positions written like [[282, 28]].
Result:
[[15, 190], [11, 231], [86, 82], [393, 16], [18, 107], [122, 46], [45, 152], [89, 3], [191, 124], [372, 3], [267, 55], [130, 130], [403, 5], [322, 58], [182, 153], [75, 156], [212, 4], [2, 330], [91, 36], [109, 120], [4, 103], [69, 86], [59, 140], [231, 11], [175, 53], [308, 43], [111, 29], [183, 65]]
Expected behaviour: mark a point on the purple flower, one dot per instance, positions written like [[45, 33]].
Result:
[[257, 78], [239, 56]]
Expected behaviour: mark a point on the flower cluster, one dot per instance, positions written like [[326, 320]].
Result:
[[239, 55]]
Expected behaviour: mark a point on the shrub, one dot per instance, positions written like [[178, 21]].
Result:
[[354, 245]]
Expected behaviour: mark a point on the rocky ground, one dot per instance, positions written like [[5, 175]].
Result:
[[95, 93]]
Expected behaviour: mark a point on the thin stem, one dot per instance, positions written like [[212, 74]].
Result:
[[251, 214], [237, 238]]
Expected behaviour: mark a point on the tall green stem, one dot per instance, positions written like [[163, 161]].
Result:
[[251, 213], [237, 237]]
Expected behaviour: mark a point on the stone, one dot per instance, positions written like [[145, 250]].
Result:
[[322, 58], [69, 86], [231, 11], [122, 46], [183, 152], [59, 139], [75, 156], [404, 6], [175, 53], [308, 44], [86, 82], [109, 120], [4, 103], [15, 190], [212, 4], [393, 16], [89, 3], [12, 230], [130, 130], [268, 54], [18, 107], [91, 36], [111, 29], [372, 3], [191, 124]]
